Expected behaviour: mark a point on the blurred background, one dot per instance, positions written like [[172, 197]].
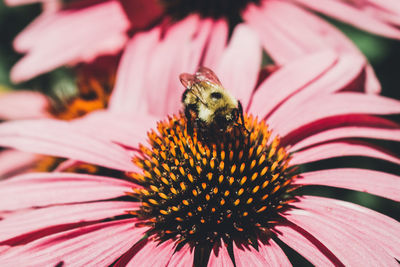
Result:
[[383, 54]]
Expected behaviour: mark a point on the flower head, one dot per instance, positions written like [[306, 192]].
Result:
[[208, 202], [91, 93]]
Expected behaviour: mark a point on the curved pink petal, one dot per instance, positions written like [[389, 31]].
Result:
[[184, 56], [219, 257], [37, 219], [153, 254], [248, 256], [130, 90], [374, 182], [98, 245], [277, 87], [281, 48], [350, 246], [346, 126], [127, 129], [216, 44], [341, 149], [372, 84], [306, 245], [324, 106], [23, 105], [44, 189], [378, 227], [392, 6], [188, 59], [272, 252], [238, 70], [348, 132], [385, 15], [345, 70], [14, 161], [353, 16], [60, 139], [70, 36], [22, 2], [182, 257], [299, 33]]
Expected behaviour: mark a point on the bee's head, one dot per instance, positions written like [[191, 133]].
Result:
[[220, 106]]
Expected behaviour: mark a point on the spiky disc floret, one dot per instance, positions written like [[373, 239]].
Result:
[[199, 192]]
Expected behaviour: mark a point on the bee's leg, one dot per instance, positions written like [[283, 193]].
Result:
[[240, 107], [189, 120]]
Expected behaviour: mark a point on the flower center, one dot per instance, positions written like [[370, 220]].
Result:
[[207, 8], [92, 94], [197, 191]]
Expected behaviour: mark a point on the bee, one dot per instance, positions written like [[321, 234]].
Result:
[[207, 105]]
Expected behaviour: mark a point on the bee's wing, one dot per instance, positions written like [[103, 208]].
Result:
[[207, 75], [188, 80], [191, 82]]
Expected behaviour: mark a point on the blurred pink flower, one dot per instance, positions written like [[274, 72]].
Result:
[[287, 28], [79, 219], [92, 93], [16, 105]]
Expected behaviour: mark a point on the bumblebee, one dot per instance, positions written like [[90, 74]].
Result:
[[208, 107]]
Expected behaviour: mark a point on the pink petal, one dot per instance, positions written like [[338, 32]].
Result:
[[153, 254], [182, 258], [183, 56], [248, 256], [346, 126], [219, 257], [238, 71], [372, 84], [275, 41], [58, 138], [350, 246], [374, 182], [129, 90], [70, 36], [325, 106], [345, 70], [392, 6], [188, 59], [273, 253], [37, 219], [23, 105], [69, 163], [378, 227], [348, 132], [306, 245], [13, 162], [340, 149], [22, 2], [353, 16], [300, 33], [97, 245], [216, 44], [277, 87], [125, 129], [44, 189]]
